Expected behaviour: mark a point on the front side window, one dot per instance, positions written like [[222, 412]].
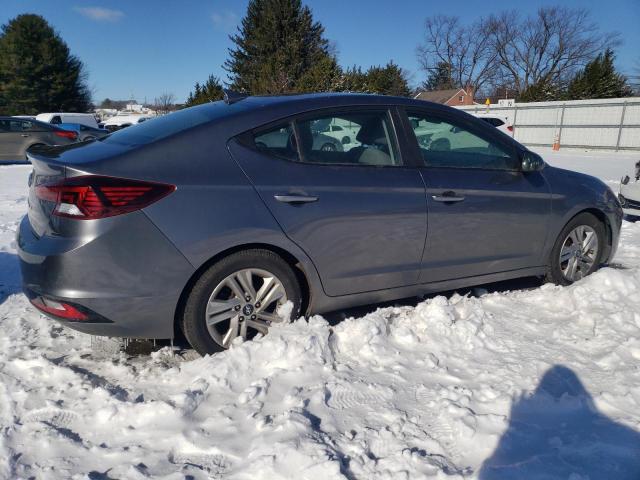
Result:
[[19, 125], [362, 138], [445, 144]]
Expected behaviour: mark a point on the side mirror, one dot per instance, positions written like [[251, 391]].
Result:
[[531, 162]]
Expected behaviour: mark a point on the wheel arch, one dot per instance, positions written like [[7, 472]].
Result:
[[295, 264], [600, 215]]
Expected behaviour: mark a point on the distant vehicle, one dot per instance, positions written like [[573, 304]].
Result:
[[87, 119], [18, 135], [629, 195], [122, 240], [282, 138], [85, 133], [343, 131], [124, 120], [25, 117], [501, 122]]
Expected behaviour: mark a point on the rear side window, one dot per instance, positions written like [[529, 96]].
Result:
[[341, 138], [56, 120], [445, 143], [279, 141]]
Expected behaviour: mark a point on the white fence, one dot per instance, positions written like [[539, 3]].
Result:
[[611, 124]]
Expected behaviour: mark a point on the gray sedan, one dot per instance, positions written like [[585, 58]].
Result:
[[207, 223], [17, 135]]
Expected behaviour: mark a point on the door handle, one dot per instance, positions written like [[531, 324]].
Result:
[[447, 197], [295, 198], [25, 135]]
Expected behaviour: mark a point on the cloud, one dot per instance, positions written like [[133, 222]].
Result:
[[225, 21], [100, 14]]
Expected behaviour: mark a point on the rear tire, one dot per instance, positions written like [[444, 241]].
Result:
[[328, 147], [214, 313], [578, 250]]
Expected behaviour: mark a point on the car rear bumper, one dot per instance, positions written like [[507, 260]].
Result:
[[129, 275]]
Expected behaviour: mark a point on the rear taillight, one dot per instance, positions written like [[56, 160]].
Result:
[[66, 134], [92, 197], [58, 309], [510, 128]]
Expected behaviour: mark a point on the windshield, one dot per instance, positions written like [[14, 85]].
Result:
[[160, 127]]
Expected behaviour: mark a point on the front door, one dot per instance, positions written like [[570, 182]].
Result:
[[485, 215], [356, 210]]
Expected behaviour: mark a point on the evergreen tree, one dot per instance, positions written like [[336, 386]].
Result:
[[210, 91], [384, 80], [439, 78], [388, 80], [599, 79], [279, 48], [543, 91], [37, 71], [351, 80]]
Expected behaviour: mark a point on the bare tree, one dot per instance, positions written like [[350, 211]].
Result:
[[466, 48], [164, 103], [546, 48]]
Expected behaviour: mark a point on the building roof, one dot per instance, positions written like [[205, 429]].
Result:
[[440, 96]]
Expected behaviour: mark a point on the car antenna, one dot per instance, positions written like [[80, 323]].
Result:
[[232, 97]]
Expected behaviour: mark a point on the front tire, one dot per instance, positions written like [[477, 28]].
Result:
[[578, 250], [239, 296]]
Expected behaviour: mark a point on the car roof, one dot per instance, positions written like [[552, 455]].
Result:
[[38, 122], [249, 112], [332, 99]]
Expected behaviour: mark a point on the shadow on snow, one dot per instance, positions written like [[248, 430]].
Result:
[[9, 275], [557, 432]]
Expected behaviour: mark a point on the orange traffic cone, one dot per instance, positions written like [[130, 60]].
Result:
[[556, 142]]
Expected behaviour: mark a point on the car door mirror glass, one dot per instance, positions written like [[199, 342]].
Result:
[[531, 162]]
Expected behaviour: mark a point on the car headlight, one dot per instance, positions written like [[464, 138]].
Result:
[[622, 200]]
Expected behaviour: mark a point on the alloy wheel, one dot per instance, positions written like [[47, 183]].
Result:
[[579, 252], [243, 304]]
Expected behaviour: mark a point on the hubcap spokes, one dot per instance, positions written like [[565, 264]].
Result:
[[244, 303], [579, 252]]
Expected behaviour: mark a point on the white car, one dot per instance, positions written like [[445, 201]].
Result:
[[87, 119], [629, 195], [123, 120], [502, 123]]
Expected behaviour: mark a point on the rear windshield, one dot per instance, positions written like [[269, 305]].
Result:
[[160, 127]]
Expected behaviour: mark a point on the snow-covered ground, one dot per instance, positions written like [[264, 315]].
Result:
[[535, 383]]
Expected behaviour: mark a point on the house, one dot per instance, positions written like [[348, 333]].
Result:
[[452, 97]]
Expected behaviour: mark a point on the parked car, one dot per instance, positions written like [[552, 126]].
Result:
[[17, 135], [501, 122], [343, 131], [123, 120], [629, 195], [280, 139], [85, 133], [122, 240], [87, 119]]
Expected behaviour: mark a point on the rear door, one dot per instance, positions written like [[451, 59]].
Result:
[[14, 139], [485, 214], [358, 212]]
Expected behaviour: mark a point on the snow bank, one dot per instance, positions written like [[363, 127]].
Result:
[[504, 385]]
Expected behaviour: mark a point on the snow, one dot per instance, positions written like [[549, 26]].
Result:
[[540, 382]]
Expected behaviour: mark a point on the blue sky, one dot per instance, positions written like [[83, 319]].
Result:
[[146, 47]]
